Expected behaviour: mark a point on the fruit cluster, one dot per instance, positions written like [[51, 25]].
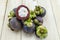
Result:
[[32, 24]]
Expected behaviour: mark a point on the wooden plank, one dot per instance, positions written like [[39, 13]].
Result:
[[2, 11], [30, 4], [56, 9], [7, 34]]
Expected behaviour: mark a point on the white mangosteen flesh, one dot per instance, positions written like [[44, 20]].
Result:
[[23, 12]]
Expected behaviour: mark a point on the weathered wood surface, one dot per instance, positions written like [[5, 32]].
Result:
[[49, 21], [2, 13], [56, 10]]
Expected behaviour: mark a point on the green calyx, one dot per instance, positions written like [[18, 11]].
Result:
[[11, 15], [28, 22], [41, 31], [38, 10], [32, 14], [41, 10], [37, 22]]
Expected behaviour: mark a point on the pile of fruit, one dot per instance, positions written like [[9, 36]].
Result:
[[30, 23]]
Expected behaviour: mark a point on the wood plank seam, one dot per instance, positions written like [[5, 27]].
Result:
[[3, 18], [54, 18]]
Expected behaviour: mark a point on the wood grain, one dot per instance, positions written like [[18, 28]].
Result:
[[49, 21], [56, 10], [2, 12]]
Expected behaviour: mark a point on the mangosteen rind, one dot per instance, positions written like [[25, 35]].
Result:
[[22, 18], [15, 24]]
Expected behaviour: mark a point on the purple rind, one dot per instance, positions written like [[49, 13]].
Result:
[[15, 24], [29, 29]]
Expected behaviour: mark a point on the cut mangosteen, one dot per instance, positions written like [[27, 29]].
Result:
[[22, 12]]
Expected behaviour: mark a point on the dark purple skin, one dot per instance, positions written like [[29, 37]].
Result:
[[39, 19], [44, 13], [29, 29], [14, 10], [15, 25]]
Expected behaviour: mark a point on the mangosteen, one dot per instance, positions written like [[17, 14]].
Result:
[[22, 12], [41, 32], [38, 20], [40, 11], [29, 26], [14, 24]]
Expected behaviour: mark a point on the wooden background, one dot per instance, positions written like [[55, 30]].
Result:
[[51, 20]]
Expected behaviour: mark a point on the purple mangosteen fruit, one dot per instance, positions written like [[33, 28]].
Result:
[[14, 24], [40, 11], [29, 26]]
